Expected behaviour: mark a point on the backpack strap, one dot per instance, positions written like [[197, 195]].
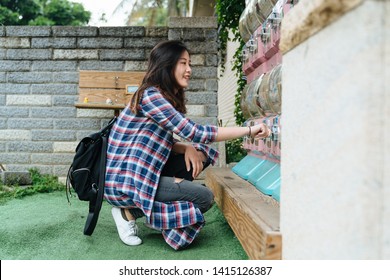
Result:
[[96, 205]]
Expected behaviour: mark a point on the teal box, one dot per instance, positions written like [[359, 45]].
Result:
[[247, 165]]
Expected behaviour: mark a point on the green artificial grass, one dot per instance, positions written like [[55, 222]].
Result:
[[44, 227]]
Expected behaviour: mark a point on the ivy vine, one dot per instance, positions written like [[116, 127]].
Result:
[[228, 16]]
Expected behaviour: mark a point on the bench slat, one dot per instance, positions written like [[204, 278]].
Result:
[[253, 217]]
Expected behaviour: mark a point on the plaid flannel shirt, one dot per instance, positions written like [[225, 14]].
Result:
[[138, 148]]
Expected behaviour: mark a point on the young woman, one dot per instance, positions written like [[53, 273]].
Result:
[[149, 172]]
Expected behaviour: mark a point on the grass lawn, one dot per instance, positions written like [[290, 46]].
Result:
[[43, 226]]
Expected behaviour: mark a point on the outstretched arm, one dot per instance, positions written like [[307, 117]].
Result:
[[228, 133]]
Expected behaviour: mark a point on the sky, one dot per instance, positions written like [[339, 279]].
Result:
[[98, 7]]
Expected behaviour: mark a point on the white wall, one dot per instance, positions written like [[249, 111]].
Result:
[[227, 88], [335, 191]]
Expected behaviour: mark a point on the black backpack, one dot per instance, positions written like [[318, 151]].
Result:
[[87, 172]]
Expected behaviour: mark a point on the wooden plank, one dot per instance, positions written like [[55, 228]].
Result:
[[118, 96], [105, 79], [82, 105], [253, 217]]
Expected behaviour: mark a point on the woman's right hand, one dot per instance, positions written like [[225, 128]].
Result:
[[195, 159]]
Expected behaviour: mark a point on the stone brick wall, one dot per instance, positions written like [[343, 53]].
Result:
[[39, 124]]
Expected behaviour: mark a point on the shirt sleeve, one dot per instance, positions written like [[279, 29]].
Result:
[[156, 107]]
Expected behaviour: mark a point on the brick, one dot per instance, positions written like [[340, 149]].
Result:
[[2, 77], [101, 65], [2, 147], [29, 77], [28, 31], [65, 147], [129, 54], [14, 158], [53, 135], [136, 65], [15, 178], [66, 77], [141, 42], [77, 124], [193, 34], [30, 100], [30, 147], [211, 111], [201, 97], [64, 89], [9, 66], [47, 65], [126, 31], [19, 123], [83, 133], [64, 100], [211, 34], [51, 42], [196, 85], [198, 59], [212, 60], [2, 30], [203, 47], [12, 112], [53, 112], [204, 72], [8, 42], [51, 158], [94, 113], [205, 120], [109, 43], [175, 34], [3, 124], [9, 88], [3, 53], [196, 110], [14, 134], [212, 85], [29, 54], [61, 170], [75, 54], [69, 31], [43, 169], [194, 22], [157, 32]]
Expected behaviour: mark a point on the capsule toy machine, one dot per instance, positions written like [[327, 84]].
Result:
[[262, 96]]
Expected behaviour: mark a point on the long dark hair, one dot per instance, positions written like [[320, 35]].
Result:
[[160, 73]]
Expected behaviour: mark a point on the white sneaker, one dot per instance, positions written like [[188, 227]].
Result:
[[127, 230]]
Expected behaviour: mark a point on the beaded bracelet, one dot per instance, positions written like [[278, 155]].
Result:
[[250, 132]]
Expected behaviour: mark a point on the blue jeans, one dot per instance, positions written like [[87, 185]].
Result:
[[171, 189]]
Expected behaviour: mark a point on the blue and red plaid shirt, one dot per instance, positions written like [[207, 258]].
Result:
[[138, 148]]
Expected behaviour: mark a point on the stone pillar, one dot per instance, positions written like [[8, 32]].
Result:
[[335, 193]]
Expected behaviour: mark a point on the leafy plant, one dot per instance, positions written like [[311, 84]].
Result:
[[228, 16], [43, 12], [41, 184], [234, 150]]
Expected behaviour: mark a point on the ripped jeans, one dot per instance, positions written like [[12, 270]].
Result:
[[172, 188]]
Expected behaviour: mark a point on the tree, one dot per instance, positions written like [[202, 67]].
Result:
[[42, 12], [153, 12]]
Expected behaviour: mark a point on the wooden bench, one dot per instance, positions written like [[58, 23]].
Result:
[[107, 90], [253, 216]]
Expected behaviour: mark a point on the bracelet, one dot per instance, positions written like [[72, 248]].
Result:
[[250, 132]]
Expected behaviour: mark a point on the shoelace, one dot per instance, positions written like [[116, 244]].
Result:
[[133, 228]]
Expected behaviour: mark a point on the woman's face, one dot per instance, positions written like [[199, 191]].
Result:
[[183, 70]]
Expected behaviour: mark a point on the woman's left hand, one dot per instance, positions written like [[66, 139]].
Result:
[[195, 159]]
